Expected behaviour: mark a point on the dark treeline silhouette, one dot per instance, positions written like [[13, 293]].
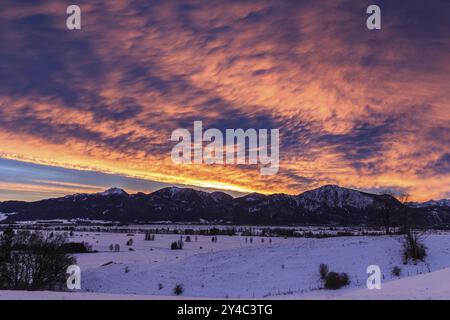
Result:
[[33, 260]]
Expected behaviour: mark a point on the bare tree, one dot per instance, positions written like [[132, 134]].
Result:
[[392, 213], [414, 247], [33, 261]]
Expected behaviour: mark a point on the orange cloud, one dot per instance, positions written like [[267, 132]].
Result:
[[362, 109]]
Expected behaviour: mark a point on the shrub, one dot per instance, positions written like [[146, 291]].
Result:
[[179, 289], [76, 247], [396, 271], [177, 245], [323, 270], [149, 237], [130, 242], [335, 280], [413, 247], [188, 239]]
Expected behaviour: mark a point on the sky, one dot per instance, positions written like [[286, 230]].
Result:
[[84, 110]]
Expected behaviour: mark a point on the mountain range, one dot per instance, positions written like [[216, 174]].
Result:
[[328, 205]]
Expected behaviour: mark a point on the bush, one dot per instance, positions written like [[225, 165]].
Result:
[[335, 280], [76, 247], [188, 239], [323, 270], [177, 245], [149, 237], [179, 289], [413, 247], [130, 242], [396, 271]]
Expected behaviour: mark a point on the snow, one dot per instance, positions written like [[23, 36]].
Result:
[[424, 287], [336, 197], [430, 286], [64, 221], [239, 270], [51, 295], [233, 268], [113, 191], [173, 190], [431, 203], [4, 216]]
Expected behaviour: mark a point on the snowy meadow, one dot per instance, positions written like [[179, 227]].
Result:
[[146, 265]]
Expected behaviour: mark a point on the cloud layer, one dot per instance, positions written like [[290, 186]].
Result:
[[363, 109]]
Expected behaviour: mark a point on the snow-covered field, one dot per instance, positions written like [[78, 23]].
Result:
[[236, 268], [430, 286]]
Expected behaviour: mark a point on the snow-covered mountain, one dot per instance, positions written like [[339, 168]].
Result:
[[431, 203], [438, 211], [113, 191], [327, 205], [336, 197]]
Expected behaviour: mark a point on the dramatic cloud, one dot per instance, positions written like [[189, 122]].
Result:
[[363, 109]]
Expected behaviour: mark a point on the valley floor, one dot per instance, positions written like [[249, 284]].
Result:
[[431, 286], [236, 268]]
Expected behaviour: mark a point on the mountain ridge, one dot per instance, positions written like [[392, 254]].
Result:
[[326, 205]]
